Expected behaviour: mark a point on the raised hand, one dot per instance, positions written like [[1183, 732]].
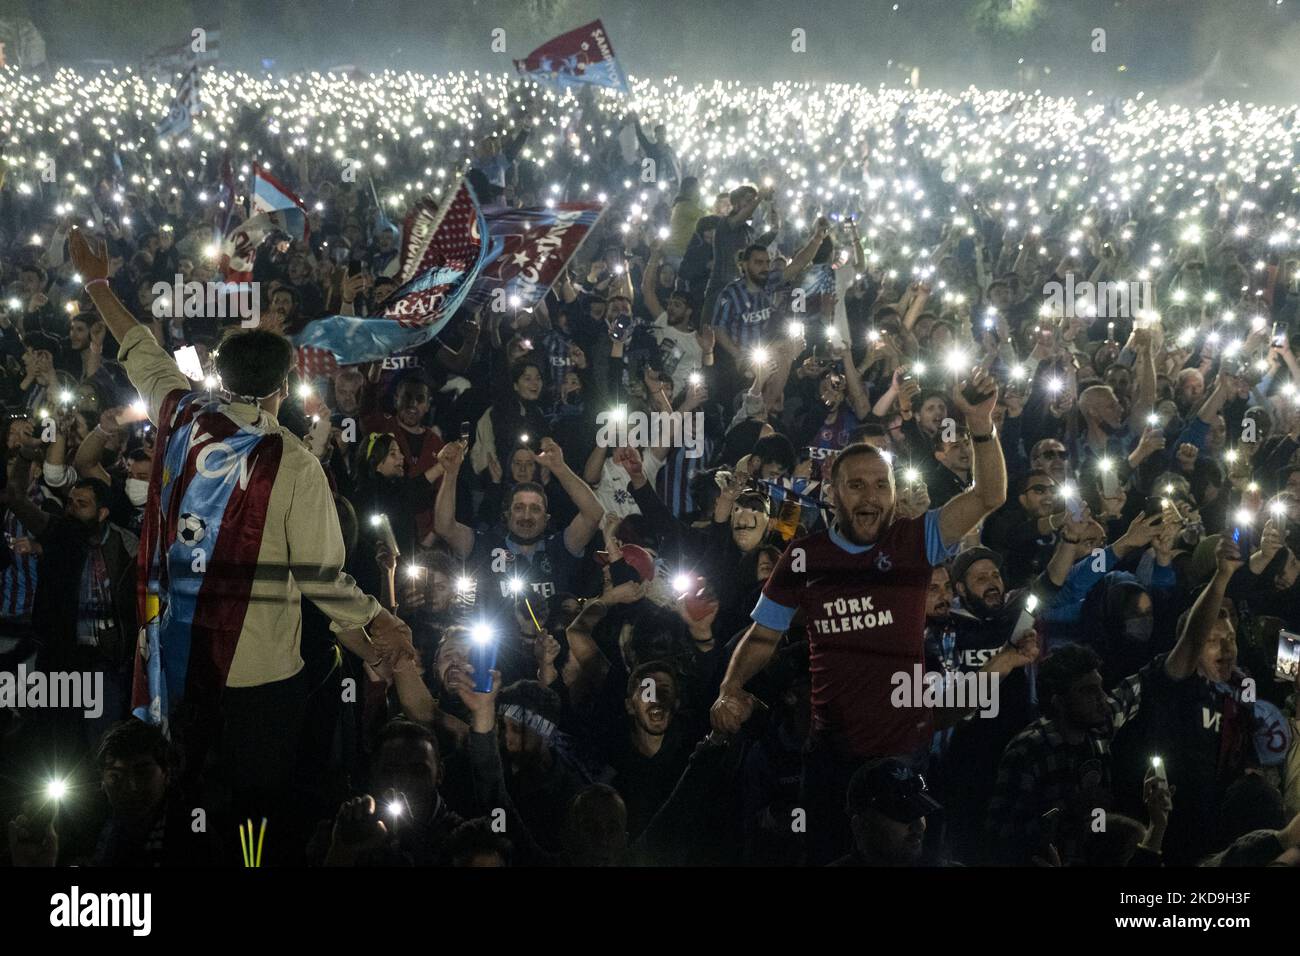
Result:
[[551, 455], [90, 263], [450, 456], [979, 414]]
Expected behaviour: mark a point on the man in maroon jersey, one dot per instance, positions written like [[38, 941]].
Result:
[[862, 587]]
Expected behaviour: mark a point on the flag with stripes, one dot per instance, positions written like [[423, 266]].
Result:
[[269, 194], [209, 494], [184, 106], [443, 252], [581, 57]]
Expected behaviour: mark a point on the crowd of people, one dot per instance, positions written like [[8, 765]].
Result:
[[995, 390]]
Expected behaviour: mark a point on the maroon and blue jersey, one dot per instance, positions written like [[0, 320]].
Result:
[[864, 609]]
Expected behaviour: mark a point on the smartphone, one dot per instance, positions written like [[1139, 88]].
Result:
[[1288, 656], [1279, 338], [1154, 506], [1158, 765], [465, 430], [396, 809], [973, 395], [187, 360], [1026, 621], [1242, 537], [1049, 824], [621, 325]]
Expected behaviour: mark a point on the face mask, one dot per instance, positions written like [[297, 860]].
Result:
[[137, 491], [1139, 628]]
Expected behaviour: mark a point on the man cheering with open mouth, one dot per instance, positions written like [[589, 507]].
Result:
[[861, 586]]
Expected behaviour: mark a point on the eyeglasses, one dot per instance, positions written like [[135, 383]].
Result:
[[1051, 453]]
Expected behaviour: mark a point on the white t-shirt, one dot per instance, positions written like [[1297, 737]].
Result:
[[613, 492], [680, 351]]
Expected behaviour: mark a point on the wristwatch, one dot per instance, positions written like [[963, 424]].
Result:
[[980, 439]]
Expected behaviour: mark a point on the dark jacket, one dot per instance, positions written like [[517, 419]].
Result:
[[55, 605]]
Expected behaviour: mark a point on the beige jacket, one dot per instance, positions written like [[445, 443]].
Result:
[[302, 546]]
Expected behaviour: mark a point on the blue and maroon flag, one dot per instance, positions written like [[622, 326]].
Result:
[[443, 251], [269, 194], [580, 57], [208, 499], [529, 247], [795, 505]]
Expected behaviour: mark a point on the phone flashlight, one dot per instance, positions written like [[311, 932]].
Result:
[[483, 656]]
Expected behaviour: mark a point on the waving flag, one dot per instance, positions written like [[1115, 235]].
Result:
[[239, 249], [581, 56], [269, 194], [529, 247], [208, 499], [794, 507], [184, 106], [171, 59], [443, 252]]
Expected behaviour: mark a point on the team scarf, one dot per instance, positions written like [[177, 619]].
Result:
[[209, 492], [443, 251]]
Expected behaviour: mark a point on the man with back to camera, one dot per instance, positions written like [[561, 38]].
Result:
[[239, 620], [862, 586]]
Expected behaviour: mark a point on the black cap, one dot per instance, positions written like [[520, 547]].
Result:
[[961, 564], [891, 787]]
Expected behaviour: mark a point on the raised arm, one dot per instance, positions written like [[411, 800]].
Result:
[[804, 256], [1181, 662], [151, 370], [853, 381], [988, 467], [1144, 396], [460, 537], [649, 280], [590, 511]]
